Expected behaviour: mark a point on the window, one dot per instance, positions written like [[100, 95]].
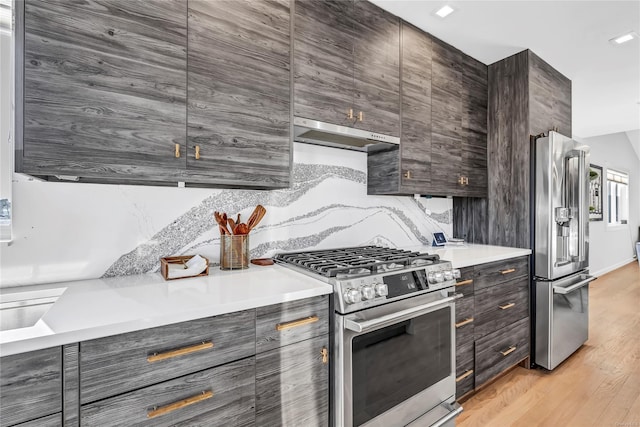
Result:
[[618, 197]]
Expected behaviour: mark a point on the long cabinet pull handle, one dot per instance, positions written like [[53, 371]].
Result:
[[325, 355], [177, 151], [509, 350], [296, 323], [350, 114], [197, 152], [511, 270], [465, 375], [156, 357], [162, 410], [464, 282], [464, 322], [361, 116], [507, 306]]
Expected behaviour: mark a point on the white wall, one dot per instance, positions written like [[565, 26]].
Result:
[[612, 247]]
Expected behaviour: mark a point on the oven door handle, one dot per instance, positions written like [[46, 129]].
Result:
[[389, 319]]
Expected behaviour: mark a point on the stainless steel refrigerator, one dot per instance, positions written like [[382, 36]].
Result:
[[561, 248]]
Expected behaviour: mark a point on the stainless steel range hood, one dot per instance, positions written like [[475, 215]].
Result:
[[330, 135]]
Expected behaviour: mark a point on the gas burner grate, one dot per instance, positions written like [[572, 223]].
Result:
[[355, 261]]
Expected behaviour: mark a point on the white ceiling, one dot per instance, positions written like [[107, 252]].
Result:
[[572, 36]]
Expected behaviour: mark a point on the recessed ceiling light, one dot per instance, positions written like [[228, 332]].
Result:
[[624, 37], [445, 11]]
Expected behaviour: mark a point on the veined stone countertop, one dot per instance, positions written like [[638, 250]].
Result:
[[89, 309], [471, 254]]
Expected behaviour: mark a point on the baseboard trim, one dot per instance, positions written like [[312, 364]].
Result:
[[613, 267]]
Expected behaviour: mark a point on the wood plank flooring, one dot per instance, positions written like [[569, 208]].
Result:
[[599, 385]]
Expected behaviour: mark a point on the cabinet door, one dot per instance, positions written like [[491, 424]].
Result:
[[104, 89], [415, 141], [323, 60], [239, 93], [30, 385], [292, 385], [377, 69], [446, 116], [474, 126]]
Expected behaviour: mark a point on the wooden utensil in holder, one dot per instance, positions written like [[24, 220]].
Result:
[[234, 251]]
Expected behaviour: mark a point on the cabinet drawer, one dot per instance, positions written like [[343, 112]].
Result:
[[117, 364], [465, 284], [500, 306], [464, 320], [291, 322], [494, 273], [30, 385], [292, 385], [54, 420], [501, 350], [221, 396], [465, 375]]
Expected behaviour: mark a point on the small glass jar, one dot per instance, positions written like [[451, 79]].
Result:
[[234, 251]]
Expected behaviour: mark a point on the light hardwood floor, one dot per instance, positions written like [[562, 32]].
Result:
[[599, 385]]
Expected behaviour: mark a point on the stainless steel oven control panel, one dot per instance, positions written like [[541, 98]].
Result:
[[355, 294]]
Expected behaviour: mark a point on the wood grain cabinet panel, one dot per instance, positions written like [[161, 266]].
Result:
[[54, 420], [292, 385], [222, 396], [31, 386], [501, 305], [495, 273], [239, 93], [290, 322], [104, 90], [501, 349], [465, 369], [118, 364], [376, 69], [324, 39]]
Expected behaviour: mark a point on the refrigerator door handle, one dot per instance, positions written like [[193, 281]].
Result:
[[582, 200], [567, 290]]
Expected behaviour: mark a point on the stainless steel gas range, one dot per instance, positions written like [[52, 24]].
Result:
[[393, 359]]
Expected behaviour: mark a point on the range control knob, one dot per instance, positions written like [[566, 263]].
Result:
[[368, 292], [448, 275], [431, 277], [439, 277], [456, 273], [381, 289], [352, 296]]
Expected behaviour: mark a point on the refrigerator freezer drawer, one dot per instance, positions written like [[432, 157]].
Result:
[[562, 318]]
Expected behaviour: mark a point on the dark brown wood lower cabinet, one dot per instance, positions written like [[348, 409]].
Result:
[[222, 396], [292, 385], [501, 350], [54, 420]]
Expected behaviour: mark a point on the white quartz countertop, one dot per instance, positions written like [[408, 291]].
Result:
[[471, 254], [96, 308]]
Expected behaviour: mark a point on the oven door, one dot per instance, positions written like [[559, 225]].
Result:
[[395, 363]]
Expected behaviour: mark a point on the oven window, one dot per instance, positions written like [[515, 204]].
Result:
[[395, 363]]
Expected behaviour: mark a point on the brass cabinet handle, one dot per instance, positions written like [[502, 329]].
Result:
[[511, 270], [407, 174], [350, 114], [296, 323], [161, 410], [325, 355], [464, 282], [463, 180], [509, 350], [465, 375], [156, 357], [197, 152], [464, 322], [507, 306], [361, 116], [177, 151]]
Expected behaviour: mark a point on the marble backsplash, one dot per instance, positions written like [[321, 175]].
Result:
[[66, 231]]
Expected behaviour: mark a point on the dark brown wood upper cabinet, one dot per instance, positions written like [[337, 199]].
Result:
[[238, 109], [157, 92], [104, 89], [443, 143], [346, 64]]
